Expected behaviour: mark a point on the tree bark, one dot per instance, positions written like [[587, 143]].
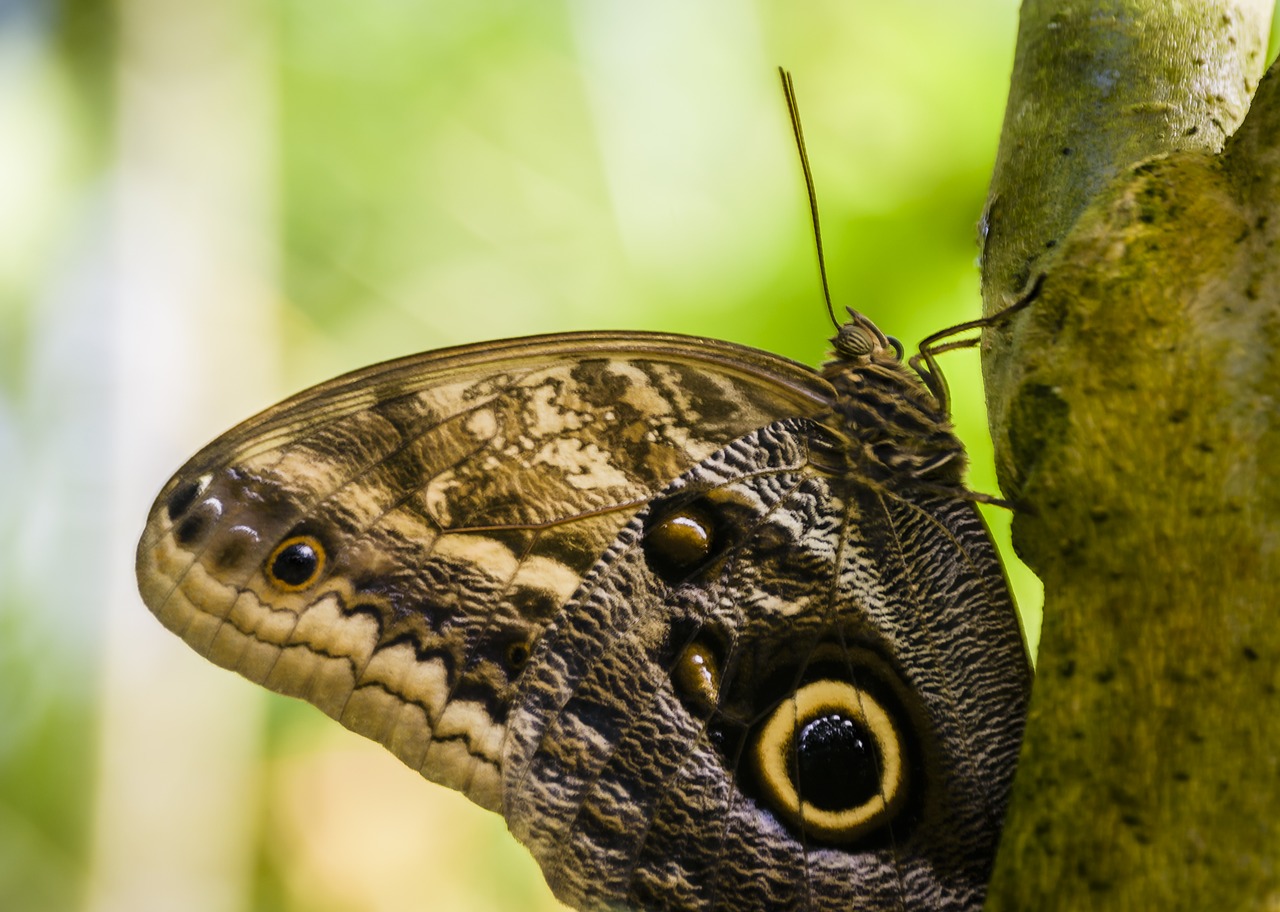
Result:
[[1133, 406]]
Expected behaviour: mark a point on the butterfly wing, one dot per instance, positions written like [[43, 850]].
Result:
[[389, 545], [812, 701], [661, 601]]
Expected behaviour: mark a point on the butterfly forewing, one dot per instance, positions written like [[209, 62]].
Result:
[[389, 545]]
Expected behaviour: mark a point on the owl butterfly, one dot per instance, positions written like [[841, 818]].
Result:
[[709, 628]]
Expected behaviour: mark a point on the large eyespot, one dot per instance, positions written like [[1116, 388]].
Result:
[[296, 563], [831, 761]]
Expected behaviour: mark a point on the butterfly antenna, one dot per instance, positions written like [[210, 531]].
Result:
[[793, 109]]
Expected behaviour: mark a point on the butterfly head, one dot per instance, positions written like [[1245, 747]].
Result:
[[866, 362], [859, 339]]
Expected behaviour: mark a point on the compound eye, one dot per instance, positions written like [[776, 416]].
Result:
[[854, 341]]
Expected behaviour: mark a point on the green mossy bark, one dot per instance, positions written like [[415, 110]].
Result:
[[1136, 411]]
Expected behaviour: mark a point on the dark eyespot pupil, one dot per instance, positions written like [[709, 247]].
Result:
[[837, 765], [517, 655], [295, 564], [181, 499]]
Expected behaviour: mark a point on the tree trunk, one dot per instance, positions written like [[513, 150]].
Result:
[[1133, 406]]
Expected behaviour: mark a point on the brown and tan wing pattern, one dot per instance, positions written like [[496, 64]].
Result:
[[815, 702], [712, 630], [390, 545]]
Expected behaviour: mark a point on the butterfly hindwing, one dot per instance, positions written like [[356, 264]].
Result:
[[638, 771]]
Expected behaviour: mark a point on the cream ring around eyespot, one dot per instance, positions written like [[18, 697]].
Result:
[[773, 750]]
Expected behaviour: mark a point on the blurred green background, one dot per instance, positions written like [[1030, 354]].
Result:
[[209, 205]]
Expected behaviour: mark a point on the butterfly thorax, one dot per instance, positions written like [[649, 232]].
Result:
[[891, 424]]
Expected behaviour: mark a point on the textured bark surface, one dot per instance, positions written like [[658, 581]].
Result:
[[1135, 417]]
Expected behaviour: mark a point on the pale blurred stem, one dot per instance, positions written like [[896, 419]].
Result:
[[1134, 409]]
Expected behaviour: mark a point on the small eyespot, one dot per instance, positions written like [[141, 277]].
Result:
[[184, 496], [197, 523], [831, 761], [517, 656], [679, 541], [237, 545], [684, 538], [296, 563], [696, 675]]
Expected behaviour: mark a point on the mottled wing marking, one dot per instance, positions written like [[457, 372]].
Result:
[[628, 796], [459, 498], [580, 578]]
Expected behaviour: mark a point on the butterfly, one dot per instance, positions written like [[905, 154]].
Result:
[[711, 629]]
